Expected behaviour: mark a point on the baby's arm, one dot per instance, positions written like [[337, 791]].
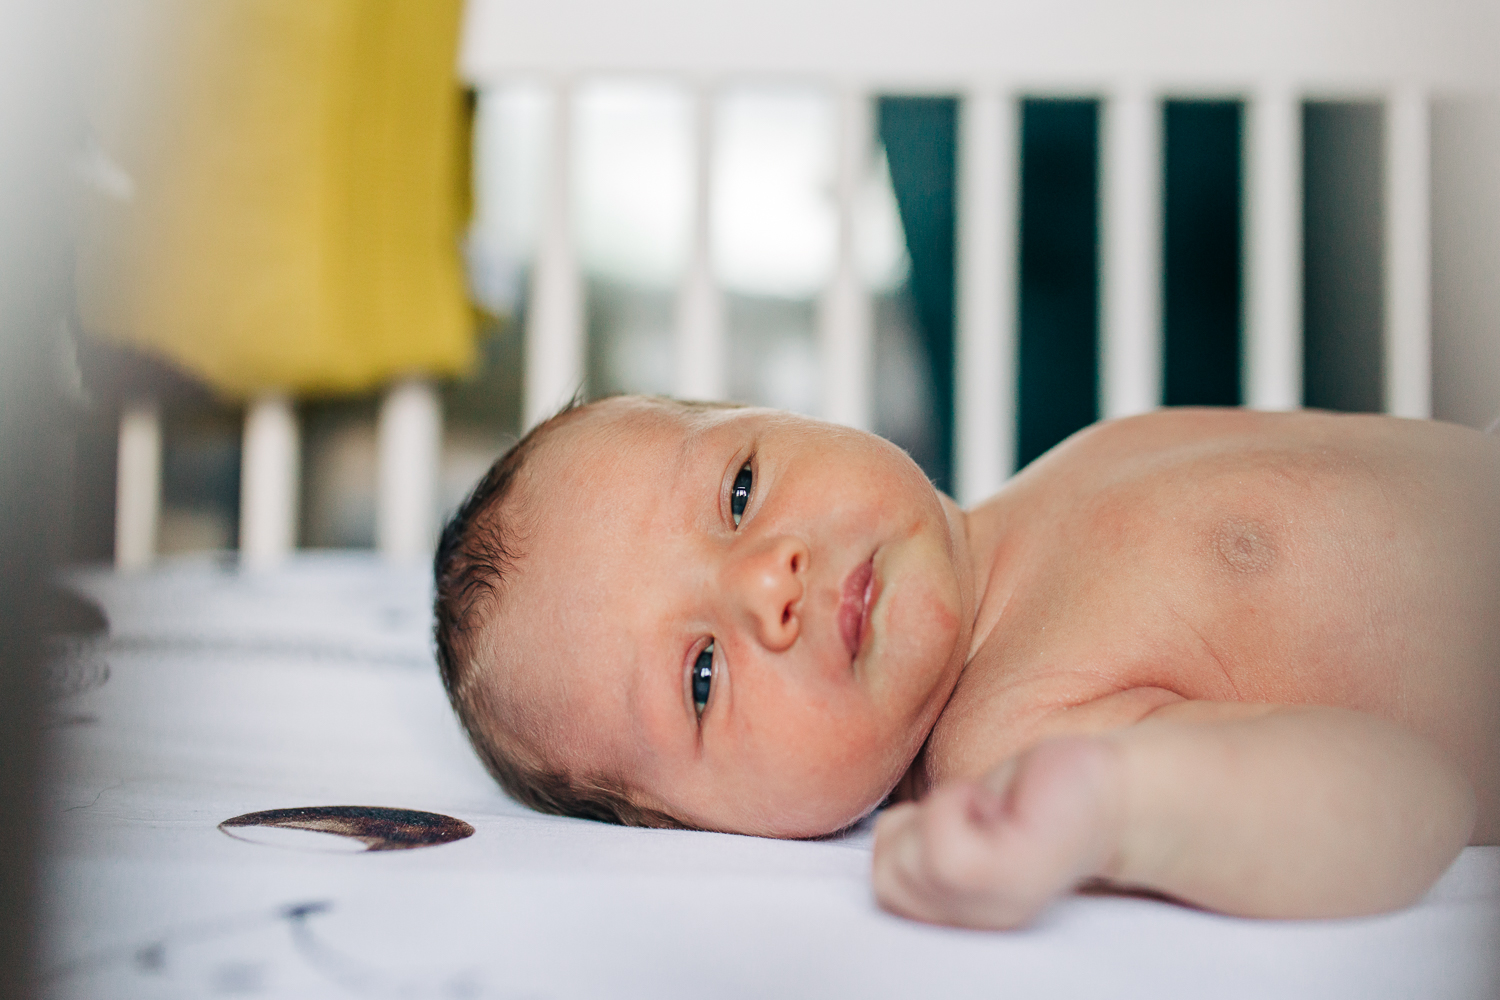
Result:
[[1254, 810]]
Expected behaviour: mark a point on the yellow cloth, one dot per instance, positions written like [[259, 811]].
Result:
[[299, 175]]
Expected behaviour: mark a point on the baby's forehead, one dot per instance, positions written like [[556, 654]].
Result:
[[597, 478], [596, 484], [635, 416], [621, 429]]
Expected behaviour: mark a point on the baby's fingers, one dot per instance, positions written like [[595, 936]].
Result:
[[994, 853], [946, 861]]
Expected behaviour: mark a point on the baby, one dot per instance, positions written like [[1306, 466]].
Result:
[[1244, 660]]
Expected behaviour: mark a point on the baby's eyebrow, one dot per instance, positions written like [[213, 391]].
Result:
[[641, 688], [631, 698], [682, 465]]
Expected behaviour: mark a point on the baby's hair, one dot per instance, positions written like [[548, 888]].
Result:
[[477, 555]]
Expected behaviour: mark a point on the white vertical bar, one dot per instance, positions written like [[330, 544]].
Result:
[[138, 486], [554, 328], [984, 433], [1130, 364], [846, 322], [409, 436], [700, 315], [270, 468], [1271, 366], [1408, 255]]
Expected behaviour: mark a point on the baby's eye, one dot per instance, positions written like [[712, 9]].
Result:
[[703, 675], [740, 495]]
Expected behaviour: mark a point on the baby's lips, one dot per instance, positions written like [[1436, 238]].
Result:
[[854, 599]]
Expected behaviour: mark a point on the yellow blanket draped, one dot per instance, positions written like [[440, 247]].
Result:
[[292, 179]]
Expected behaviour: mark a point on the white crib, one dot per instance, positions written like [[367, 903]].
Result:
[[1133, 56]]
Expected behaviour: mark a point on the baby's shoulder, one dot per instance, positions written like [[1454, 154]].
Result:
[[1000, 709], [1184, 479], [1336, 440]]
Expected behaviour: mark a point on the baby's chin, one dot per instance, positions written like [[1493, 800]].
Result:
[[811, 816], [848, 791], [802, 827]]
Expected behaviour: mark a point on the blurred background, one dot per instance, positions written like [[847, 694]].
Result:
[[255, 235], [213, 219]]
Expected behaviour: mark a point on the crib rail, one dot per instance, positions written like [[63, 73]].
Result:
[[1272, 55]]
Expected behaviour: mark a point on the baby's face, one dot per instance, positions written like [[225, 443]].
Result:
[[750, 617]]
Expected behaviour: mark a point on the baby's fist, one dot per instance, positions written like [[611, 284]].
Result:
[[992, 853]]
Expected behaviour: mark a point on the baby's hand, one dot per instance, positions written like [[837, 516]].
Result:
[[992, 853]]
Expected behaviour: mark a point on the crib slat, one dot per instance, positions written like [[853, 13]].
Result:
[[1408, 256], [1131, 349], [1271, 369], [988, 240], [555, 327], [409, 437], [845, 319], [138, 486], [700, 314], [270, 469]]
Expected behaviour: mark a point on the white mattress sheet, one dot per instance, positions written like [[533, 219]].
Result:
[[315, 685]]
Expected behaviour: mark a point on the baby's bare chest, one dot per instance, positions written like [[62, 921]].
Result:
[[1268, 573]]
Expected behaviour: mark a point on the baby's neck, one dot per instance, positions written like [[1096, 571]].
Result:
[[913, 784], [988, 550], [993, 549]]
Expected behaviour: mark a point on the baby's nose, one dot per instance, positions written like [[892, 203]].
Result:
[[766, 584]]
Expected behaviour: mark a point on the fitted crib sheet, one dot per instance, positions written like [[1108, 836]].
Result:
[[218, 693]]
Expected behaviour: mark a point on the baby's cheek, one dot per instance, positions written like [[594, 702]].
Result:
[[923, 621], [824, 780]]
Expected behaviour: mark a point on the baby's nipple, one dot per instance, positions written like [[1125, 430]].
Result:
[[1245, 546]]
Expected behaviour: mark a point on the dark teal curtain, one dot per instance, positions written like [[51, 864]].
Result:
[[1059, 322], [1201, 250], [1059, 297], [919, 134]]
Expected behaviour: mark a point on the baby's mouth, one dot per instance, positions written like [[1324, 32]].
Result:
[[854, 605]]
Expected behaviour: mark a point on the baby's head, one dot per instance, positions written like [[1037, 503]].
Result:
[[673, 614]]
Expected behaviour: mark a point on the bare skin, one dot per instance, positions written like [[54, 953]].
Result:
[[1249, 661], [1181, 612]]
